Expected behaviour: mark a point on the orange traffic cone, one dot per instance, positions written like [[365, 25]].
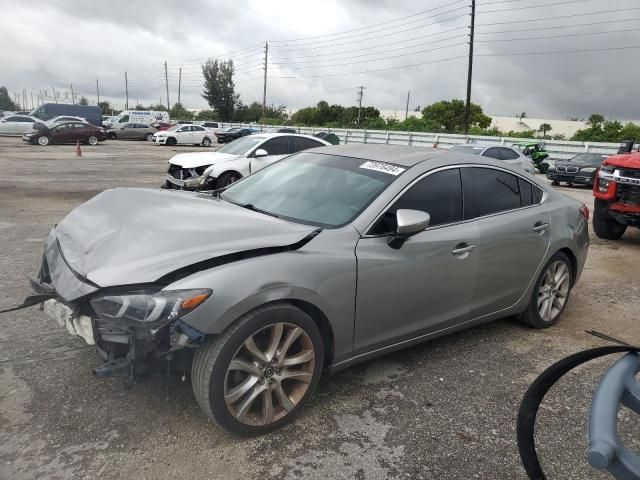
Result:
[[78, 151]]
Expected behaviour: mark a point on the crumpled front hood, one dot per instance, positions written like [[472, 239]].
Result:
[[197, 159], [135, 235]]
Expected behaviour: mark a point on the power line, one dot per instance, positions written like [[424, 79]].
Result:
[[559, 16], [369, 26], [550, 52], [559, 26], [558, 36], [554, 4]]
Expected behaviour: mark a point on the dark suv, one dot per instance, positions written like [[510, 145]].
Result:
[[579, 170]]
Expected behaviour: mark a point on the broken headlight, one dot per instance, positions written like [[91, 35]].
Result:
[[157, 308]]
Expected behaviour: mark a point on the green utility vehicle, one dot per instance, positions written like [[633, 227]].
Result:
[[537, 153]]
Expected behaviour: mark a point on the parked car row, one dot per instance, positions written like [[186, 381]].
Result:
[[64, 132]]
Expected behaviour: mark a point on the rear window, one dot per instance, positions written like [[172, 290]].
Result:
[[473, 150]]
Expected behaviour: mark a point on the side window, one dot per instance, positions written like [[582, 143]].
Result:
[[130, 125], [301, 143], [197, 129], [487, 191], [439, 194], [11, 119], [276, 146], [493, 152], [508, 154], [23, 119]]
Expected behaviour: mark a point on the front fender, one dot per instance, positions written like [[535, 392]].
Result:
[[240, 166]]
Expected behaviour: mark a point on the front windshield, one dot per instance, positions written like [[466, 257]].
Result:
[[473, 150], [241, 145], [314, 189], [594, 159]]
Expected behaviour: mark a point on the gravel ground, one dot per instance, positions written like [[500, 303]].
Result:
[[445, 409]]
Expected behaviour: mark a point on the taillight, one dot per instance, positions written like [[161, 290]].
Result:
[[584, 211]]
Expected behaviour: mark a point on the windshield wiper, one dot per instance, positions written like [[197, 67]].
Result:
[[251, 206]]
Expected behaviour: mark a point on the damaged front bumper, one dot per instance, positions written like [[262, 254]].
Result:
[[128, 347]]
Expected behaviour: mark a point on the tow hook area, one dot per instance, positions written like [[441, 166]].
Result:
[[116, 368]]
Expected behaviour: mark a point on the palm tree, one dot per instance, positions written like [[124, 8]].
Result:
[[544, 128]]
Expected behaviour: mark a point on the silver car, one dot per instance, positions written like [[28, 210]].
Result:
[[131, 131], [498, 152], [325, 259], [17, 124]]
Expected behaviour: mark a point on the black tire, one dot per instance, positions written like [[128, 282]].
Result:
[[43, 140], [604, 225], [212, 358], [531, 316], [227, 178], [206, 142], [148, 137], [113, 136], [555, 183], [543, 168], [93, 140], [171, 141]]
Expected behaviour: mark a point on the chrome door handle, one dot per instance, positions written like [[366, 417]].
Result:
[[461, 250], [540, 227]]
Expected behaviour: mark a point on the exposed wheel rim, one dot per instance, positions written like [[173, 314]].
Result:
[[93, 141], [269, 374], [230, 180], [553, 290], [43, 141], [206, 142]]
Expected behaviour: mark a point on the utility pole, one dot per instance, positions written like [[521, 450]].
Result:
[[24, 98], [98, 90], [73, 101], [406, 111], [55, 97], [467, 107], [179, 84], [166, 81], [264, 86], [33, 107], [126, 92], [360, 93]]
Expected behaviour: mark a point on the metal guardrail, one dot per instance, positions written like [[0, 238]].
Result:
[[558, 149], [618, 387]]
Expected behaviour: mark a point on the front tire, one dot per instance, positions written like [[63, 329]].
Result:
[[43, 140], [544, 168], [604, 225], [555, 183], [113, 136], [227, 179], [551, 294], [171, 141], [256, 377]]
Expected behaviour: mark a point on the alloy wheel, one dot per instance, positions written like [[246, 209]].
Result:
[[553, 290], [269, 374], [93, 141], [44, 141]]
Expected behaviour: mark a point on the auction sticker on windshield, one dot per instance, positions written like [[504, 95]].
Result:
[[383, 167]]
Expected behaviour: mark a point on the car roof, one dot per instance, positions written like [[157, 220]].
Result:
[[482, 145], [397, 154], [266, 135]]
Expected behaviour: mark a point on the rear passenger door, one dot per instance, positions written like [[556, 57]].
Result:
[[297, 144], [513, 235], [198, 133], [184, 134]]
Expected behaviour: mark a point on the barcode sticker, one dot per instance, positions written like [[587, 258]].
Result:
[[383, 167]]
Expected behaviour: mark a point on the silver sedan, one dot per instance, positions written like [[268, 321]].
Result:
[[325, 259], [498, 152]]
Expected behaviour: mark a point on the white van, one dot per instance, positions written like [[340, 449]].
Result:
[[146, 117]]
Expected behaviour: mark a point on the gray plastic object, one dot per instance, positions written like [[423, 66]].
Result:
[[618, 387]]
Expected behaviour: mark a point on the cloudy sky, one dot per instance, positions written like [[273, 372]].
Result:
[[326, 49]]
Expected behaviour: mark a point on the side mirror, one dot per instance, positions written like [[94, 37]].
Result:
[[411, 222], [261, 152]]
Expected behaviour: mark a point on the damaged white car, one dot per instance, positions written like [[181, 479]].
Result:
[[212, 170]]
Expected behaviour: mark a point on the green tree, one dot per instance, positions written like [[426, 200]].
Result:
[[157, 107], [219, 89], [83, 101], [178, 112], [448, 116], [544, 128], [595, 119], [5, 100], [206, 115], [105, 107]]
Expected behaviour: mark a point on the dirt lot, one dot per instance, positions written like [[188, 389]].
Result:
[[445, 409]]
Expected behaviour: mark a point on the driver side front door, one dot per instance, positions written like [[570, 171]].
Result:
[[277, 148], [426, 284]]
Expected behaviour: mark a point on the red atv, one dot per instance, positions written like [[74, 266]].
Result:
[[617, 192]]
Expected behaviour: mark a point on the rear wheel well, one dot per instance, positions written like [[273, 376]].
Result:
[[574, 262]]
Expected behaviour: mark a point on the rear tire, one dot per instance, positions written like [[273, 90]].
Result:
[[93, 140], [227, 179], [555, 183], [171, 141], [604, 225], [206, 142], [148, 137], [269, 400], [551, 294], [113, 136]]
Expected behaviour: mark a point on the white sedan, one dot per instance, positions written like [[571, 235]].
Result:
[[184, 135], [17, 124], [246, 155]]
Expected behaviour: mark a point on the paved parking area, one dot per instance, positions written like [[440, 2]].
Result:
[[445, 409]]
